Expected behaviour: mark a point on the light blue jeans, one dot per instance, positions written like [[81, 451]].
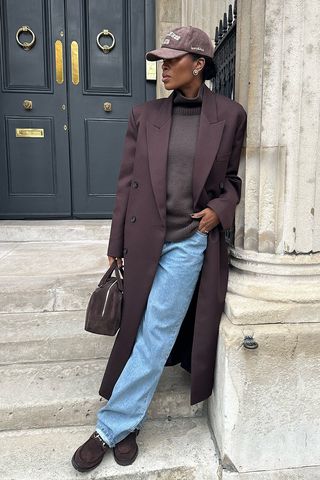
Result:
[[168, 301]]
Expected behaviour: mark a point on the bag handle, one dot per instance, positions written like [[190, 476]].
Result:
[[119, 279], [107, 275]]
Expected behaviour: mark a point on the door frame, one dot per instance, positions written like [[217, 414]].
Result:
[[150, 44]]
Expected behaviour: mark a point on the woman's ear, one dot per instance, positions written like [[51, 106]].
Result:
[[201, 62]]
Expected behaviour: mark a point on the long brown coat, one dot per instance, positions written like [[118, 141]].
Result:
[[138, 228]]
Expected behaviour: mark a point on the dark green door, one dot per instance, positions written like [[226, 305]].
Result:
[[69, 81]]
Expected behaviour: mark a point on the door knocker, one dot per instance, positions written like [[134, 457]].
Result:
[[106, 48], [25, 45]]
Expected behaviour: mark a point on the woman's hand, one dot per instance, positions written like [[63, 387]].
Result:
[[209, 219], [111, 259]]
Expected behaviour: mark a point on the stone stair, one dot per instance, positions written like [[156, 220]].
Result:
[[51, 368]]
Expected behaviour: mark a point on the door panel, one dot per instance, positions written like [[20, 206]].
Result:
[[101, 169], [35, 171], [117, 77], [106, 72], [26, 70], [25, 156]]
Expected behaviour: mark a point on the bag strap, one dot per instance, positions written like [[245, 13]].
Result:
[[107, 275], [119, 270]]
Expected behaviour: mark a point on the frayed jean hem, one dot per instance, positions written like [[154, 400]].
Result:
[[106, 437]]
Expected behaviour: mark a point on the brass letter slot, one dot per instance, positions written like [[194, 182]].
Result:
[[30, 132]]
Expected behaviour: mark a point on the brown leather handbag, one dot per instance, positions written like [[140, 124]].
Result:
[[103, 314]]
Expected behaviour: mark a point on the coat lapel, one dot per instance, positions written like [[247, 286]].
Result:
[[208, 141], [158, 132]]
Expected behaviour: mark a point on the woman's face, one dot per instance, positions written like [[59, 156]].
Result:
[[177, 72]]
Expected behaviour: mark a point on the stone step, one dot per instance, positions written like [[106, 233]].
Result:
[[52, 259], [54, 230], [55, 394], [180, 449], [46, 294], [49, 336], [49, 276]]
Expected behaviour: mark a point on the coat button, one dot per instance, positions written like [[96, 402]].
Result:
[[125, 251], [133, 219], [135, 184]]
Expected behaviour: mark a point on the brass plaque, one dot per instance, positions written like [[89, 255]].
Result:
[[74, 63], [151, 70], [59, 61], [30, 132]]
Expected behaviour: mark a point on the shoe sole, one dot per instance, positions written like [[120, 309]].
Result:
[[125, 463]]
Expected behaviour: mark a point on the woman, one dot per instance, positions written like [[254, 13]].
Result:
[[177, 192]]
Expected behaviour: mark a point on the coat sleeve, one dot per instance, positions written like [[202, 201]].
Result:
[[225, 204], [115, 247]]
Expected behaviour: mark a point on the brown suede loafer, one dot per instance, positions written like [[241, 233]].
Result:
[[126, 451], [90, 453]]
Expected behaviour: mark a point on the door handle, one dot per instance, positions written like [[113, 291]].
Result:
[[107, 106], [59, 61], [27, 104], [74, 62], [25, 45], [106, 33]]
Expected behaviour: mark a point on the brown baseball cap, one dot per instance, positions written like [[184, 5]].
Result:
[[180, 41]]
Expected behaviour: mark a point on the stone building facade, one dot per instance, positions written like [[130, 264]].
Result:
[[265, 409]]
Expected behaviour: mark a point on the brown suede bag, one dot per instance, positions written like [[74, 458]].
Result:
[[103, 314]]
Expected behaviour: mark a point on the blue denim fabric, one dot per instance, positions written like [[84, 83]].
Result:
[[168, 301]]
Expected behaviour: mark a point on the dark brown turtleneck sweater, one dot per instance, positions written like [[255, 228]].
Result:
[[182, 143]]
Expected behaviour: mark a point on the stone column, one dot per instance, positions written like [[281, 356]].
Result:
[[265, 407]]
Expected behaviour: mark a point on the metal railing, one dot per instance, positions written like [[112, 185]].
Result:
[[224, 57]]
